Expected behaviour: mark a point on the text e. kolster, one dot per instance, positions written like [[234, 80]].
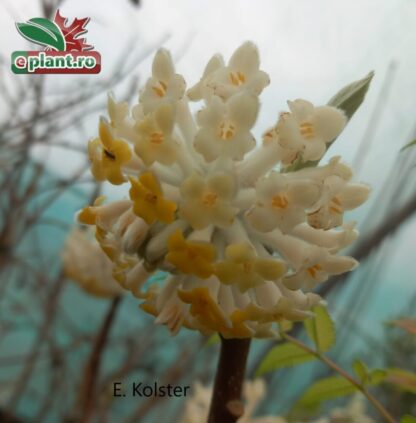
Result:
[[139, 389]]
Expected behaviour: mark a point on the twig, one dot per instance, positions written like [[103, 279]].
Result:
[[226, 405], [87, 393]]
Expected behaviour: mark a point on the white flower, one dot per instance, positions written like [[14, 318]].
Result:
[[208, 200], [201, 89], [241, 74], [281, 202], [318, 269], [225, 127], [338, 196], [154, 140], [164, 86], [243, 236], [308, 129]]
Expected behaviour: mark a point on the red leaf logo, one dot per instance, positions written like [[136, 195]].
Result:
[[72, 32]]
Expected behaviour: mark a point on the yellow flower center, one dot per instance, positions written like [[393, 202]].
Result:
[[156, 138], [160, 89], [268, 137], [313, 270], [151, 198], [247, 267], [209, 199], [109, 155], [280, 202], [335, 206], [226, 131], [307, 130], [237, 78]]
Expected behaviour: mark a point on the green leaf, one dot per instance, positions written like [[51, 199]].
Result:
[[377, 376], [403, 379], [408, 419], [326, 389], [411, 143], [351, 96], [321, 329], [361, 371], [285, 355], [44, 32]]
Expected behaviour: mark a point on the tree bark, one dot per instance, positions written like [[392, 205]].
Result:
[[226, 404]]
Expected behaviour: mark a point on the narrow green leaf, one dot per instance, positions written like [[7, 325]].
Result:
[[403, 379], [377, 376], [411, 143], [285, 355], [42, 31], [408, 419], [361, 371], [351, 96], [326, 389], [321, 329]]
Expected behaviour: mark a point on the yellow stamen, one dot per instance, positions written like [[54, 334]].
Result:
[[248, 267], [156, 138], [160, 89], [280, 202], [307, 130], [336, 207], [237, 78], [209, 199], [227, 131], [313, 270]]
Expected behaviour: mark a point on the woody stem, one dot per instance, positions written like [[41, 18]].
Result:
[[226, 405]]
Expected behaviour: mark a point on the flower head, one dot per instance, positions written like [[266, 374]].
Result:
[[244, 237]]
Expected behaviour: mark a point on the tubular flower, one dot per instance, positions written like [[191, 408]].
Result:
[[148, 200], [164, 86], [309, 128], [225, 127], [154, 137], [108, 155], [244, 268], [208, 200], [85, 263], [281, 202], [244, 237], [190, 256]]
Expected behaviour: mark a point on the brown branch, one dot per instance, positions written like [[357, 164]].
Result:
[[87, 396], [226, 404]]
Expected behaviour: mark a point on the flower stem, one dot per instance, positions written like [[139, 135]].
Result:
[[226, 404]]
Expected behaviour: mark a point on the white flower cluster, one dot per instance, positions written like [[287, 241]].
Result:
[[244, 238]]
